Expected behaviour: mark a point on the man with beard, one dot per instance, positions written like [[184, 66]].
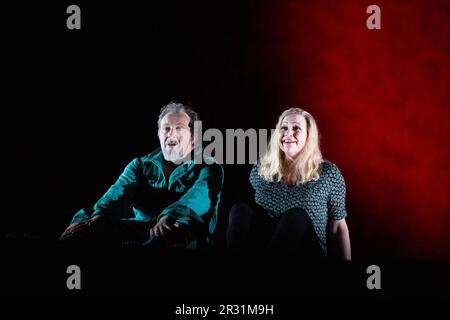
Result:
[[173, 199]]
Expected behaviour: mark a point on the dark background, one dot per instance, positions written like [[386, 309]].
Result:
[[78, 105]]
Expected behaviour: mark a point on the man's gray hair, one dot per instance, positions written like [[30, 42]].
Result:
[[174, 107]]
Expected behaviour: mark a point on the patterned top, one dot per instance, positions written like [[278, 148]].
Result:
[[322, 200]]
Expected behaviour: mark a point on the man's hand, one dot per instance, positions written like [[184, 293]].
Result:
[[82, 225], [164, 225]]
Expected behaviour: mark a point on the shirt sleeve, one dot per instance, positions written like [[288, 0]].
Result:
[[120, 196], [336, 198], [200, 199]]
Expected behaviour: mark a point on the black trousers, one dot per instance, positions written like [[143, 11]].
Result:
[[250, 227], [122, 232]]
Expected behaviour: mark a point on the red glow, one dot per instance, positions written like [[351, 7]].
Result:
[[381, 99]]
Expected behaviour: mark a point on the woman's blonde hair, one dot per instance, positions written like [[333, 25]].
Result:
[[273, 163]]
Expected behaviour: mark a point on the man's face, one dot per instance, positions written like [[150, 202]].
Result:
[[293, 134], [175, 136]]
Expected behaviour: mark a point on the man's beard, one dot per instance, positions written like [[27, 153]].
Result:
[[175, 156]]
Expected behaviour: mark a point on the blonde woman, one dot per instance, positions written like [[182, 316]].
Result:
[[298, 197]]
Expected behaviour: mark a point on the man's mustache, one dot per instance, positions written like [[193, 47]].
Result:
[[171, 142]]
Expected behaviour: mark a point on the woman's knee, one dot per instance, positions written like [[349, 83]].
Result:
[[239, 222], [295, 215], [241, 207], [240, 212]]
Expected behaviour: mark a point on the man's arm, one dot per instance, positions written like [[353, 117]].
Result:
[[120, 196], [115, 202]]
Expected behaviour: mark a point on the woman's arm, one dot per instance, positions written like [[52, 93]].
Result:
[[340, 238]]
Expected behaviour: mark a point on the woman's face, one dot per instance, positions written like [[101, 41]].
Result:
[[293, 134]]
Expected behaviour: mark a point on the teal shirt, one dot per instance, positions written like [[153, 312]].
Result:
[[191, 195]]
